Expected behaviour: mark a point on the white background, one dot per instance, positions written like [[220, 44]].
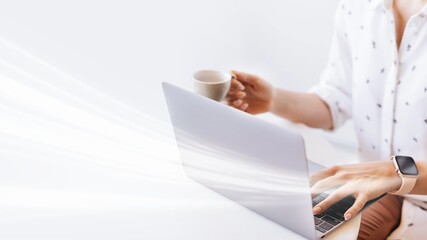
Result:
[[125, 49]]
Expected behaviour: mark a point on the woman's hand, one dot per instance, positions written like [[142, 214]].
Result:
[[250, 93], [365, 181], [254, 95]]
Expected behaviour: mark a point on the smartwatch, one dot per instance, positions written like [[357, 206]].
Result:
[[408, 172]]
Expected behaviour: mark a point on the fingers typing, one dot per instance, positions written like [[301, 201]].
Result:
[[318, 176], [358, 205], [326, 184], [330, 200]]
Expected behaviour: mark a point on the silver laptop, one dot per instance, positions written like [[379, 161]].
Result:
[[255, 163]]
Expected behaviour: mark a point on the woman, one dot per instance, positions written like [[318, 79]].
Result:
[[377, 75]]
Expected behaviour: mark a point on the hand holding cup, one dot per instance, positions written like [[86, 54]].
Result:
[[250, 93]]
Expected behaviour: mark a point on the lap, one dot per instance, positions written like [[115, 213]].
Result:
[[380, 219]]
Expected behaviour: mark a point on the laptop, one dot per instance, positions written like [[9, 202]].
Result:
[[253, 162]]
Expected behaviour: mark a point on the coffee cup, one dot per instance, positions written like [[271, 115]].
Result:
[[212, 84]]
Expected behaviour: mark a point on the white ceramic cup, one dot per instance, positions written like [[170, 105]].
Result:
[[212, 84]]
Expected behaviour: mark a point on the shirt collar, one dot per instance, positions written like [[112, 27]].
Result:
[[380, 3], [375, 3], [387, 4], [424, 11]]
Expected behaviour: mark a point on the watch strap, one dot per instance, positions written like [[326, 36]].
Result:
[[407, 185]]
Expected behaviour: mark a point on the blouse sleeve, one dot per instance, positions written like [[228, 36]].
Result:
[[335, 83]]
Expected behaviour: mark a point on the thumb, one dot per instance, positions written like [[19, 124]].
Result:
[[246, 78]]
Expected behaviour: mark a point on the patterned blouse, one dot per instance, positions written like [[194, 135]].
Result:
[[383, 88]]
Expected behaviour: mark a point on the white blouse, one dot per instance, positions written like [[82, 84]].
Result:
[[382, 88]]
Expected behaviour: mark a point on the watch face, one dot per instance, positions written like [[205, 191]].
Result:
[[407, 165]]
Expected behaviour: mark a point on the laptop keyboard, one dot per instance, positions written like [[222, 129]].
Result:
[[334, 215]]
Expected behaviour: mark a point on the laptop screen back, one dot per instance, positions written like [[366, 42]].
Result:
[[255, 163]]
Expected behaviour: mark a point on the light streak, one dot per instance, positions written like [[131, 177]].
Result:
[[47, 114]]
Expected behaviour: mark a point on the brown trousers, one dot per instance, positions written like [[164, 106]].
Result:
[[380, 219]]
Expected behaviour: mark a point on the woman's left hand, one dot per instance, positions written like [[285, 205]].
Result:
[[365, 181]]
